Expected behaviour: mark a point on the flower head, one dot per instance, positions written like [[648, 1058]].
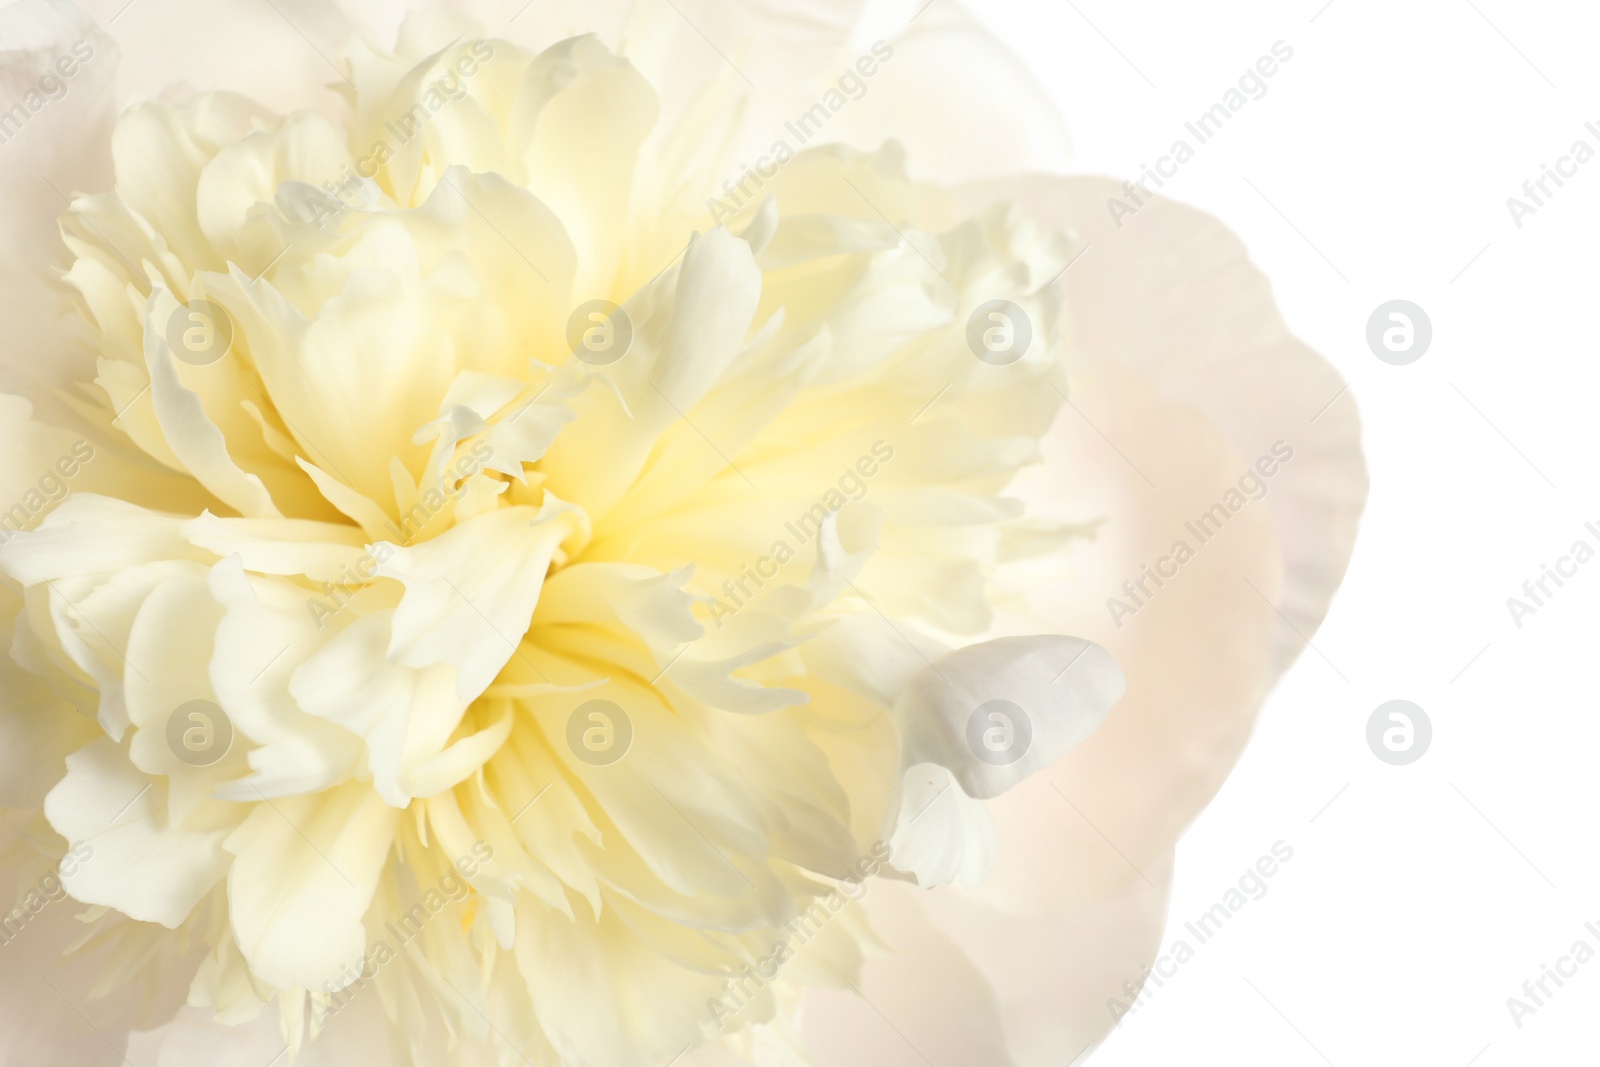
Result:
[[519, 569]]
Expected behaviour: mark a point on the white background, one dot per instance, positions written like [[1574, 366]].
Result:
[[1421, 897]]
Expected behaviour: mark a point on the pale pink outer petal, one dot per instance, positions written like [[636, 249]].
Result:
[[62, 148], [1181, 374], [924, 1001], [965, 985], [1171, 294], [46, 1015], [1076, 902], [960, 101], [284, 54], [361, 1033], [39, 1024], [535, 27], [1197, 656], [1054, 976]]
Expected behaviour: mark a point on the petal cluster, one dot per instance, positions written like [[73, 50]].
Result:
[[501, 586]]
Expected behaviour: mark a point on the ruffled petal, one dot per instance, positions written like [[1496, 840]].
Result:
[[140, 864], [302, 877]]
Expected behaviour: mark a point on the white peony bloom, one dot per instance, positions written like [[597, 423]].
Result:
[[557, 558]]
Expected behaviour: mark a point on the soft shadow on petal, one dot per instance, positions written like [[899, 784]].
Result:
[[1053, 977], [47, 1012], [361, 1033], [964, 984], [923, 1002]]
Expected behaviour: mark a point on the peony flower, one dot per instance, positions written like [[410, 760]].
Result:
[[565, 557]]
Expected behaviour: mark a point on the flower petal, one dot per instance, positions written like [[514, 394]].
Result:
[[303, 875], [470, 593], [63, 142], [996, 712], [941, 835], [142, 866], [1173, 296]]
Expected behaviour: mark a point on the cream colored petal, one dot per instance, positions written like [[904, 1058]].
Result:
[[46, 462], [602, 994], [141, 865], [710, 301], [38, 730], [303, 874], [460, 761], [650, 604], [374, 521], [171, 642], [355, 382], [233, 191], [583, 169], [322, 551], [90, 535], [81, 627], [997, 712], [355, 374], [406, 716], [159, 151], [267, 631], [470, 593], [194, 439], [941, 835]]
